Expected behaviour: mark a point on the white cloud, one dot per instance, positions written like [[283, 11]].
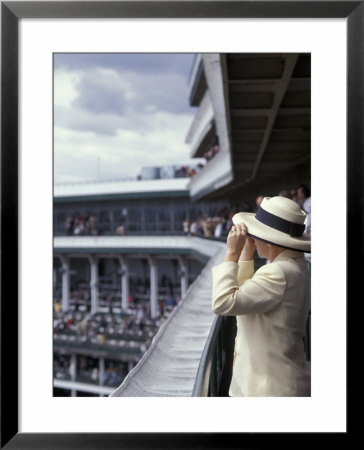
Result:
[[87, 155], [65, 91], [109, 123]]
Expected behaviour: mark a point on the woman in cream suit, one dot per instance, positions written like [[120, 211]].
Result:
[[271, 305]]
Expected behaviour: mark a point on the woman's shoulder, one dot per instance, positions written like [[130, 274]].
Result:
[[271, 270], [292, 263]]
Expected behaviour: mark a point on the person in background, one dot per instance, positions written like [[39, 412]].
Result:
[[219, 224], [186, 227], [68, 225], [259, 200], [304, 200], [271, 305], [304, 197], [293, 194], [284, 193], [57, 307]]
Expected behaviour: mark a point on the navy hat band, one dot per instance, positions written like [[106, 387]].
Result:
[[279, 224]]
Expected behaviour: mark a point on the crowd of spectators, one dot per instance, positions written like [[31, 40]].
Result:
[[131, 332], [80, 225], [87, 370], [217, 225], [211, 153], [220, 223], [134, 323], [302, 196], [186, 171], [110, 297]]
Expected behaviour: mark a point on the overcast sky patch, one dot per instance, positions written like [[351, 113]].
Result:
[[115, 113]]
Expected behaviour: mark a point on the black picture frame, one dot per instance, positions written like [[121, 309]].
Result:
[[11, 12]]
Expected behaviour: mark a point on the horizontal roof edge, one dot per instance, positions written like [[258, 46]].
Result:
[[119, 196]]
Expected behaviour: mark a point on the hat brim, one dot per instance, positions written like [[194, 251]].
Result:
[[267, 234]]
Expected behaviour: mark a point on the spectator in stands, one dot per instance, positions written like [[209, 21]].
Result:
[[284, 193], [293, 194], [259, 200], [140, 317], [161, 307], [68, 225], [57, 307], [170, 303], [207, 226], [218, 225], [271, 305], [304, 197], [200, 166], [120, 230], [194, 229], [304, 200], [130, 300], [232, 212], [92, 225], [79, 226], [95, 374], [186, 227]]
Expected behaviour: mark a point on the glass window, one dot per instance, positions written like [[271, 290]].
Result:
[[134, 222], [150, 215], [120, 216], [165, 214]]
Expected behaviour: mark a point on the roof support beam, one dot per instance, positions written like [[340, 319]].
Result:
[[247, 112], [286, 77]]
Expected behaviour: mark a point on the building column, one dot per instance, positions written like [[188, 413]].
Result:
[[124, 270], [65, 282], [183, 272], [73, 372], [101, 371], [94, 283], [153, 287]]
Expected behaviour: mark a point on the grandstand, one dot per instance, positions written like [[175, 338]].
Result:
[[113, 290], [149, 245]]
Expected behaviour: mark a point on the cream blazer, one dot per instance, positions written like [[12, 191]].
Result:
[[271, 307]]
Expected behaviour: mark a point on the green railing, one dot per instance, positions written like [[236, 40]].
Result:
[[215, 369], [307, 338]]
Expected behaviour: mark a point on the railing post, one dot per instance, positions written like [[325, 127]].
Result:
[[307, 338], [214, 373], [213, 377]]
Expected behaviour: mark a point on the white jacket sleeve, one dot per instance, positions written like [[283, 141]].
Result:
[[245, 271], [257, 294]]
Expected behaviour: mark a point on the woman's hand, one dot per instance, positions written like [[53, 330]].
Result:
[[235, 242], [248, 251]]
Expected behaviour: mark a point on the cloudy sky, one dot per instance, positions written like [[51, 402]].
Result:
[[115, 113]]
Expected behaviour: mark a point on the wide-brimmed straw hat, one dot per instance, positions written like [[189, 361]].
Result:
[[278, 221]]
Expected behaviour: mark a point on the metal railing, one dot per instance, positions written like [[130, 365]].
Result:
[[215, 369], [307, 338]]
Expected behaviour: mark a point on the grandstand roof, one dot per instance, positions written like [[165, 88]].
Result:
[[262, 112], [121, 189]]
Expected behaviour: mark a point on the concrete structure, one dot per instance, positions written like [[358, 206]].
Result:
[[253, 127], [169, 367], [92, 249], [259, 105], [145, 207]]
